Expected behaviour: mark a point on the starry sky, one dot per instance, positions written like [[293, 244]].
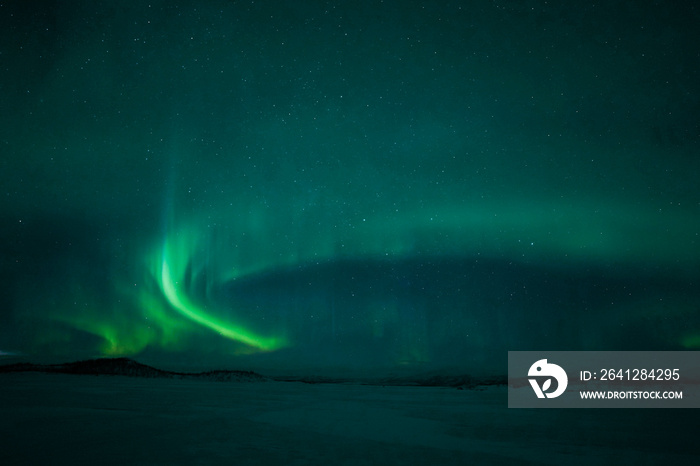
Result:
[[339, 184]]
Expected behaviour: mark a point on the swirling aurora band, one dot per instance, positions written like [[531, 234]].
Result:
[[184, 306], [171, 295], [173, 268]]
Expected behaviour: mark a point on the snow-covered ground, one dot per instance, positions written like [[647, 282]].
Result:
[[69, 419]]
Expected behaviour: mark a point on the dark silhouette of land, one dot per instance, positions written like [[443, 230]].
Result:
[[130, 368]]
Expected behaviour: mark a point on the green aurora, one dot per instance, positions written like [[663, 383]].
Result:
[[400, 183]]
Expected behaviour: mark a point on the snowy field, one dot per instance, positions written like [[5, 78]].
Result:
[[66, 419]]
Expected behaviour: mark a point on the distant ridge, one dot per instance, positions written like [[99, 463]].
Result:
[[130, 368], [461, 382]]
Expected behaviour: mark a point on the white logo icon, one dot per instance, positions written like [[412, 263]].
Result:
[[541, 369]]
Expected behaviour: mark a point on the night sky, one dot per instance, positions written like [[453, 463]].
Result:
[[368, 185]]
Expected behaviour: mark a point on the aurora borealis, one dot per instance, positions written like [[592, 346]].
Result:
[[334, 184]]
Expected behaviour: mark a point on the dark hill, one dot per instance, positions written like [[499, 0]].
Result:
[[112, 366], [130, 368]]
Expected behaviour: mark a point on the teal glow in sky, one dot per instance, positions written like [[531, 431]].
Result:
[[333, 184]]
